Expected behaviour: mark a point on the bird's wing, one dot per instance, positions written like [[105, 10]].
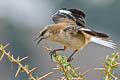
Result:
[[96, 37], [79, 15], [63, 16], [88, 31], [76, 15]]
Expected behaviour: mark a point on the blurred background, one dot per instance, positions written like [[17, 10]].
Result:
[[21, 20]]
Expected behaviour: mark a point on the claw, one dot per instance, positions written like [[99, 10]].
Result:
[[52, 54], [69, 59]]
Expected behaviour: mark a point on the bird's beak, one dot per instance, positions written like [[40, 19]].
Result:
[[40, 39]]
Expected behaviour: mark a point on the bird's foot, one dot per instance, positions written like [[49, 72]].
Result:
[[69, 59], [52, 54]]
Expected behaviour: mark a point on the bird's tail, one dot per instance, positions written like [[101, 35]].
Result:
[[107, 43]]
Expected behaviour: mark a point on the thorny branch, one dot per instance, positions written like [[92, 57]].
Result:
[[20, 66], [109, 65], [66, 68], [62, 65]]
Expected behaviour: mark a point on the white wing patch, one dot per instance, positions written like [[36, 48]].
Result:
[[85, 29], [65, 11], [78, 28]]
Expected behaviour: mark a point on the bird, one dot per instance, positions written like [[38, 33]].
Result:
[[70, 30]]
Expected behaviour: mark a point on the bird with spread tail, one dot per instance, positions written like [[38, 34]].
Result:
[[70, 30]]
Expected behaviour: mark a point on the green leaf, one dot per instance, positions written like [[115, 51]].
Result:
[[65, 65], [10, 57], [70, 77], [1, 46], [79, 74], [113, 63], [18, 58], [63, 74], [60, 69], [109, 78], [84, 78], [67, 68], [108, 58], [73, 73], [103, 78], [115, 67], [64, 59], [116, 57], [1, 52], [8, 52], [114, 53], [108, 63], [22, 70], [26, 66], [110, 72], [37, 77], [59, 57]]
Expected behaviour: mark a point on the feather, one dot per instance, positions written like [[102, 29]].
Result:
[[76, 15], [79, 15], [107, 43], [88, 31], [94, 33]]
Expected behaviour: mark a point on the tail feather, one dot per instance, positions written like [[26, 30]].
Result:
[[107, 43], [101, 35]]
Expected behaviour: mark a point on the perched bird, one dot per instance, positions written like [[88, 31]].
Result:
[[71, 31]]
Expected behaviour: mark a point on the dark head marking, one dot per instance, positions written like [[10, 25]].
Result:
[[40, 36]]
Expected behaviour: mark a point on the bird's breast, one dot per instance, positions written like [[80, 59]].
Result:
[[70, 40]]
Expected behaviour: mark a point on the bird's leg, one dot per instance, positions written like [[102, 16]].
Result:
[[52, 53], [70, 57]]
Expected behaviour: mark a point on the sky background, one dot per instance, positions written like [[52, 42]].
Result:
[[20, 23]]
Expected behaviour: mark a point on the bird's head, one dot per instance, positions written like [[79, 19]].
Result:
[[44, 35]]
